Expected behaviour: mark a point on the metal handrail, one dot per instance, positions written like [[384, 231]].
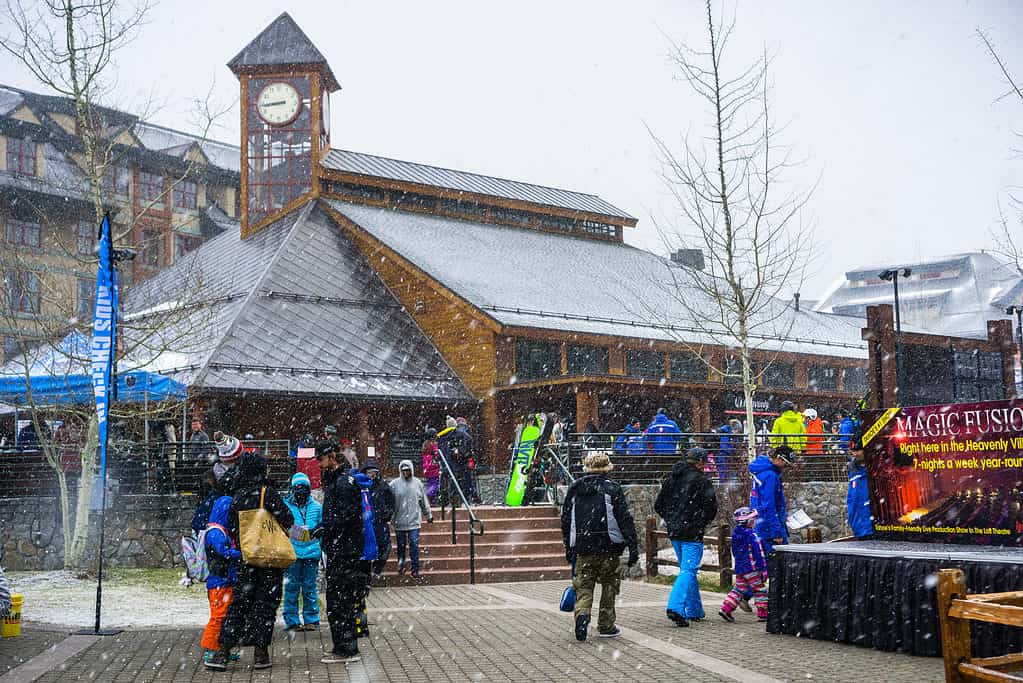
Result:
[[552, 454], [473, 520]]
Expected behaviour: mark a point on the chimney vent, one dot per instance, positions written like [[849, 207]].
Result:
[[688, 258], [795, 299]]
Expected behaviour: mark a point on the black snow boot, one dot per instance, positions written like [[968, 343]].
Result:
[[261, 658], [582, 622], [218, 662]]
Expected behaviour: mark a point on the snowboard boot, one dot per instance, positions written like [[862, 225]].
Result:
[[261, 658], [218, 660], [679, 620]]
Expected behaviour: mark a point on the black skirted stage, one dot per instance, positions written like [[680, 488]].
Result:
[[883, 594]]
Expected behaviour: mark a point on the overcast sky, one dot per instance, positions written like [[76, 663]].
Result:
[[893, 104]]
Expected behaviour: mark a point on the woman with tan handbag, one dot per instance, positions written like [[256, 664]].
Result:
[[259, 519]]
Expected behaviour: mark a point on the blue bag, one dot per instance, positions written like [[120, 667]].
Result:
[[568, 597]]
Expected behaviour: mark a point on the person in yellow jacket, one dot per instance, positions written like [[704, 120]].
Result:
[[788, 429]]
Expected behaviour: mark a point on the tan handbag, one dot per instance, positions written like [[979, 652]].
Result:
[[262, 540]]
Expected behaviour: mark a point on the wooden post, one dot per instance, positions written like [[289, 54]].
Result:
[[955, 633], [813, 534], [651, 546], [725, 569]]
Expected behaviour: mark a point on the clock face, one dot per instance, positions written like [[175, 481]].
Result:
[[279, 103]]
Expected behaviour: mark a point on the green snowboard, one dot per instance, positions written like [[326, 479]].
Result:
[[525, 451]]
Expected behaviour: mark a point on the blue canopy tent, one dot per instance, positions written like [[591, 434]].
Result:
[[60, 375]]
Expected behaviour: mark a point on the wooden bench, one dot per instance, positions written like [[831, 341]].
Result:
[[956, 609], [723, 541]]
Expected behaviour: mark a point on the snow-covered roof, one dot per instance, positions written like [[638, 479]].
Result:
[[295, 309], [525, 278], [407, 171], [955, 295]]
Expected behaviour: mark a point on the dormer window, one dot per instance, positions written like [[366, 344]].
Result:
[[21, 156]]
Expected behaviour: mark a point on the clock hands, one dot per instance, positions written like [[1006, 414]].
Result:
[[273, 104]]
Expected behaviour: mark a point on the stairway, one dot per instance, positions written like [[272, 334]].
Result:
[[518, 544]]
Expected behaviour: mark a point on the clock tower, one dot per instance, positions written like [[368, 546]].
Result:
[[285, 90]]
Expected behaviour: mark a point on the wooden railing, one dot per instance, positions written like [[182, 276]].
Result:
[[723, 542], [956, 610]]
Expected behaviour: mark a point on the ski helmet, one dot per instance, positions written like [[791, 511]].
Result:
[[744, 514]]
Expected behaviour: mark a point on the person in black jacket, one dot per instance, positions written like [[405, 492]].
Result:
[[257, 592], [383, 511], [342, 540], [687, 504], [596, 526]]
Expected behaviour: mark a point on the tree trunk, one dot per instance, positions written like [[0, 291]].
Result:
[[74, 558], [65, 510]]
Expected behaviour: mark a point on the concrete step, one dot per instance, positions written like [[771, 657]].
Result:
[[461, 563], [486, 548], [501, 523], [455, 577], [432, 534], [487, 512]]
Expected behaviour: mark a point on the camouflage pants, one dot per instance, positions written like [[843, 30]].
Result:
[[589, 571]]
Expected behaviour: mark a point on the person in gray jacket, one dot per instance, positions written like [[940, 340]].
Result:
[[409, 503]]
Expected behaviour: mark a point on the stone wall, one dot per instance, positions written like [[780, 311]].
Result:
[[141, 531]]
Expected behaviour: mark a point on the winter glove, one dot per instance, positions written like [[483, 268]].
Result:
[[429, 520], [633, 557], [569, 555]]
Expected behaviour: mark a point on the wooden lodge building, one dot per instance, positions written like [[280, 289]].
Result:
[[381, 295]]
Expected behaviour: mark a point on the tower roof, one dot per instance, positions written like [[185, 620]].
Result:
[[282, 43]]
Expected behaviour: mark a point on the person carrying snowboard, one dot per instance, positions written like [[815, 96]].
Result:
[[596, 527]]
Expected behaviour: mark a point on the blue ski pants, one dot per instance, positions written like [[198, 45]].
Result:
[[685, 594], [300, 578]]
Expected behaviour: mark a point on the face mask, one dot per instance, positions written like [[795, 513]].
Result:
[[301, 494]]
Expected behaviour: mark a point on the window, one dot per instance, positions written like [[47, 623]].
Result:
[[687, 367], [854, 380], [595, 228], [23, 291], [23, 234], [779, 374], [85, 236], [645, 363], [151, 188], [116, 181], [86, 297], [537, 359], [463, 207], [185, 195], [559, 223], [184, 244], [21, 156], [358, 191], [511, 215], [414, 200], [822, 378], [11, 347], [150, 247], [587, 360]]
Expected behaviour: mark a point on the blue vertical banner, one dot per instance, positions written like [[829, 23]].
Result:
[[104, 324]]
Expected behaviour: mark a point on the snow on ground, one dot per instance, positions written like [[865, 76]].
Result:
[[130, 599], [710, 556]]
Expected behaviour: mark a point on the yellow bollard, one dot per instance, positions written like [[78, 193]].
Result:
[[12, 622]]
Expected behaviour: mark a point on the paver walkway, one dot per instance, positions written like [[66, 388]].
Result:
[[498, 632]]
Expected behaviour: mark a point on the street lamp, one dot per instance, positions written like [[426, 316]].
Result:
[[892, 275], [1018, 312]]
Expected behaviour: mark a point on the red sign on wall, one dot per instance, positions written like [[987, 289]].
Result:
[[948, 473]]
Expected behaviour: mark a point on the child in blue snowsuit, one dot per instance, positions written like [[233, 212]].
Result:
[[301, 576], [222, 557], [750, 566]]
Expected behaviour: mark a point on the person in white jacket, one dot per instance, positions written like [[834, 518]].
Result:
[[410, 506]]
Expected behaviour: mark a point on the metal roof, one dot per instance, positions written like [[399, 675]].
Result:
[[407, 171], [523, 278], [282, 43], [295, 309]]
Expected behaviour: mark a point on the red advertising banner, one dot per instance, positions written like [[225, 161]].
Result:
[[947, 473]]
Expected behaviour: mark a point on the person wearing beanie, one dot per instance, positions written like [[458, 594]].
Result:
[[300, 577], [628, 434], [788, 429], [662, 434], [596, 526], [229, 449], [767, 496], [383, 511], [687, 504], [253, 610]]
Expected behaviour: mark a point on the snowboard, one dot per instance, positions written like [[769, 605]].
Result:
[[522, 460]]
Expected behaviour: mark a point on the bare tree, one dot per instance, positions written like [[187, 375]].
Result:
[[735, 207], [69, 47]]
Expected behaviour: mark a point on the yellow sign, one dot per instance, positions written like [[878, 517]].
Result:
[[885, 418]]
